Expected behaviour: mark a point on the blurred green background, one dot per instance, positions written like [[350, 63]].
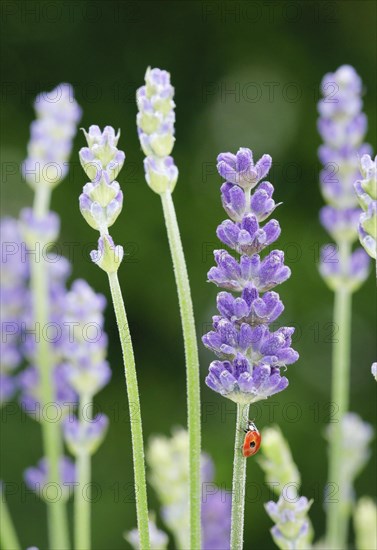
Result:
[[245, 74]]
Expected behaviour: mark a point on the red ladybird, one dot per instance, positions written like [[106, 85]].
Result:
[[252, 440]]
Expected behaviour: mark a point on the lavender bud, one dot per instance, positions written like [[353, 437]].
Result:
[[160, 174], [108, 256]]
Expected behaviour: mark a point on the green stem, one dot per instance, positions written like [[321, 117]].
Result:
[[8, 535], [83, 489], [134, 408], [192, 365], [51, 432], [337, 514], [239, 481]]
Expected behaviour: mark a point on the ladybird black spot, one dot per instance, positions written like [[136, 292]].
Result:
[[252, 444]]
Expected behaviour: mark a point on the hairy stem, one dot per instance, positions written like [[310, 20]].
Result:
[[337, 514], [135, 413], [239, 481], [192, 365]]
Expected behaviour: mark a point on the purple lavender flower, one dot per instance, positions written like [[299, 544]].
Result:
[[51, 136], [240, 168], [251, 355], [13, 295], [36, 478], [342, 126]]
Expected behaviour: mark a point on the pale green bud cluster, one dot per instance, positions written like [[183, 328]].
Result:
[[365, 523], [277, 462], [155, 121], [356, 436], [292, 530], [366, 190], [158, 539], [167, 458], [102, 199]]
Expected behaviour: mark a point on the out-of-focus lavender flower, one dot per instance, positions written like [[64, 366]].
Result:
[[169, 465], [102, 199], [336, 274], [85, 436], [159, 539], [277, 462], [30, 389], [85, 367], [52, 133], [85, 341], [155, 123], [292, 526], [356, 437], [250, 354], [365, 522], [366, 190], [36, 478], [216, 519], [13, 293], [342, 126]]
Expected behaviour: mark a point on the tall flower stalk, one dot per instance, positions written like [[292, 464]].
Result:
[[155, 122], [100, 204], [46, 165], [342, 126], [250, 355]]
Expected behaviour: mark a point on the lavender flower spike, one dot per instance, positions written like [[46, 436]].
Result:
[[102, 199], [342, 126], [155, 122], [51, 137], [250, 355], [101, 203]]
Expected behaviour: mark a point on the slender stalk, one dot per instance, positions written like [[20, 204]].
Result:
[[51, 432], [192, 365], [337, 515], [8, 535], [82, 500], [239, 481], [134, 408]]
